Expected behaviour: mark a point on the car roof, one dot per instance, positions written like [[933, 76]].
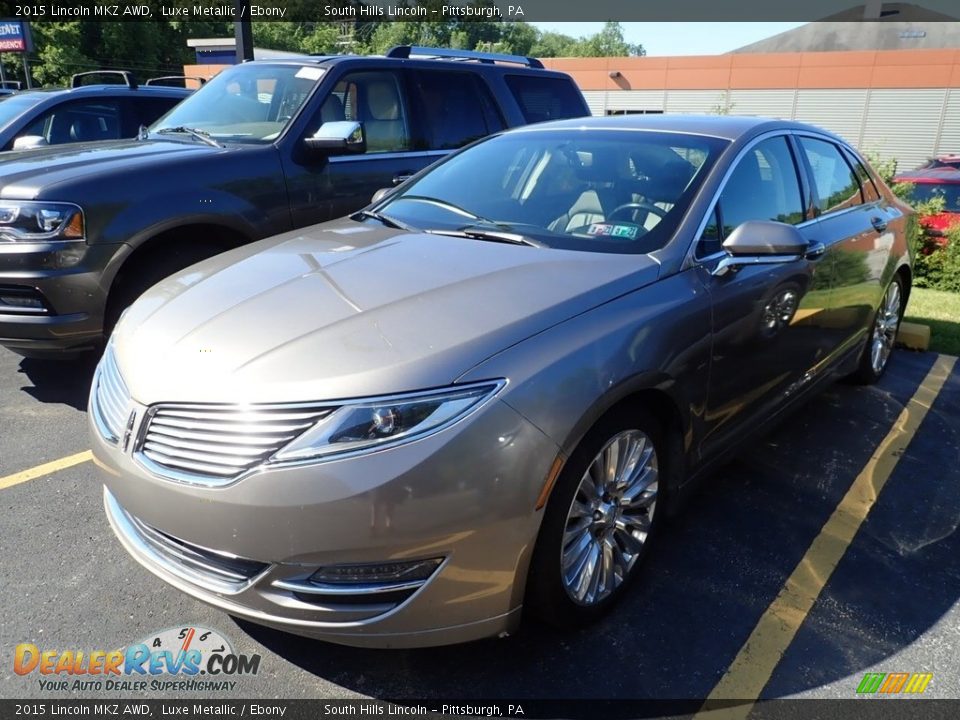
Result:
[[414, 60], [930, 175], [728, 127], [111, 89]]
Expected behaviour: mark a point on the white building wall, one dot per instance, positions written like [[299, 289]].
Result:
[[909, 125]]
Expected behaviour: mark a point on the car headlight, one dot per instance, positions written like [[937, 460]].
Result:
[[371, 424], [30, 221]]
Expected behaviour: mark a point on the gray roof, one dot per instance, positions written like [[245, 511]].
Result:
[[892, 33], [729, 127]]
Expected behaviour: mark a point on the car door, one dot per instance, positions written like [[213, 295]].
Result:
[[322, 188], [767, 338], [854, 223]]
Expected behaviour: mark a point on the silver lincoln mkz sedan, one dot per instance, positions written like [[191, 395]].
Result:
[[484, 391]]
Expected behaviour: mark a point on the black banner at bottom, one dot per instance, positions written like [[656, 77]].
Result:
[[863, 707]]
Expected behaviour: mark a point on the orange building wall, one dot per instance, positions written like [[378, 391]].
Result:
[[768, 71]]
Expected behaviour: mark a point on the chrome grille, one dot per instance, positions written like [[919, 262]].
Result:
[[111, 400], [214, 444]]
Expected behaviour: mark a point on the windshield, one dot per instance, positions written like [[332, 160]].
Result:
[[13, 106], [600, 191], [948, 192], [246, 103]]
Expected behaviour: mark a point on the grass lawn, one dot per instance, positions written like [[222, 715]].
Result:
[[941, 311]]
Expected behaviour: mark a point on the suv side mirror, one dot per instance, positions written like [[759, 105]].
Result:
[[761, 242], [380, 194], [26, 142], [339, 137]]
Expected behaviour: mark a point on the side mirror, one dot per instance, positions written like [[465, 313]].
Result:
[[26, 142], [341, 137], [761, 242], [380, 195]]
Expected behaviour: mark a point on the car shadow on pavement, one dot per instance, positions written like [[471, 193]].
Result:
[[60, 381], [719, 566]]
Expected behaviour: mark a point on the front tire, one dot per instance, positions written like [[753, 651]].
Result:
[[600, 520], [883, 335]]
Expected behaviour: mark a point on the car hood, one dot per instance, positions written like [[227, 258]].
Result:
[[25, 174], [346, 309]]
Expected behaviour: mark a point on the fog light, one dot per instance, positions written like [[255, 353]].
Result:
[[24, 302], [388, 572], [21, 299]]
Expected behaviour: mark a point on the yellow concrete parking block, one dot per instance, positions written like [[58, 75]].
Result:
[[914, 336]]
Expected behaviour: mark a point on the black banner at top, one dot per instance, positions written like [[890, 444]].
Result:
[[489, 10]]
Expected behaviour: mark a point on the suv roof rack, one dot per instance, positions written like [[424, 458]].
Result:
[[11, 85], [166, 80], [406, 51], [76, 80]]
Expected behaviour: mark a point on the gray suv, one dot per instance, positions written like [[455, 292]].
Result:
[[85, 229]]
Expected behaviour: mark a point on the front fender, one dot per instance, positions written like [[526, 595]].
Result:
[[565, 378]]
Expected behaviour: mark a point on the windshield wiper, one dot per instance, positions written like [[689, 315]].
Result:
[[192, 132], [386, 220], [479, 233], [447, 206]]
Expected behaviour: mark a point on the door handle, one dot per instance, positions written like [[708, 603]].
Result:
[[879, 224], [815, 250], [401, 176]]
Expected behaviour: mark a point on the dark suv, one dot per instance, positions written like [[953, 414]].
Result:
[[80, 113], [85, 229]]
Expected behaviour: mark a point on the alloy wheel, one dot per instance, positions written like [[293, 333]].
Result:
[[609, 518], [885, 328]]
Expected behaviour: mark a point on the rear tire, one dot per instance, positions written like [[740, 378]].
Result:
[[882, 335], [600, 521]]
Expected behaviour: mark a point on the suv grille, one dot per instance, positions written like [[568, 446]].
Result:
[[214, 444], [111, 399]]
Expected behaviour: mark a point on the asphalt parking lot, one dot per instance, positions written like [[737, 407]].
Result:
[[891, 605]]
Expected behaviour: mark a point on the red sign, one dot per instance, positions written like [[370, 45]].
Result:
[[13, 45]]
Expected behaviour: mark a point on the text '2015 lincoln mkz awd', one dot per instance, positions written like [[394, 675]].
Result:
[[484, 392]]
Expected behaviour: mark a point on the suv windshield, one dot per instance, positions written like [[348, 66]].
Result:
[[246, 103], [611, 191]]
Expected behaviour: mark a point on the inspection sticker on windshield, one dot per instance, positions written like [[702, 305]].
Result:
[[310, 73], [619, 231]]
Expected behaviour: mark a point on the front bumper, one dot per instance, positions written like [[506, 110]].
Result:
[[465, 495], [68, 280]]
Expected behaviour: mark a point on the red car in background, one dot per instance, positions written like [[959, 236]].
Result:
[[940, 177]]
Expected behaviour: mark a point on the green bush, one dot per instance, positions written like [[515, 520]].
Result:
[[936, 266]]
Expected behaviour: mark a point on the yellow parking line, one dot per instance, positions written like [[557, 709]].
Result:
[[753, 666], [45, 469]]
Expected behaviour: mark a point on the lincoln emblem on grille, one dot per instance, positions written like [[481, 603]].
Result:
[[128, 431]]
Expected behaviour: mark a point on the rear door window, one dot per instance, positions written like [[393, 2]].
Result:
[[545, 98], [870, 192], [455, 109], [834, 180]]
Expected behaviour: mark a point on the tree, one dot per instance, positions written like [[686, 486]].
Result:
[[552, 44], [609, 42]]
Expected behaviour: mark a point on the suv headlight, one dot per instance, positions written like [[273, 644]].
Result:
[[32, 221], [368, 425]]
